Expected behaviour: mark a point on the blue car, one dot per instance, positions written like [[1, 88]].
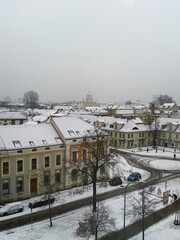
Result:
[[135, 176]]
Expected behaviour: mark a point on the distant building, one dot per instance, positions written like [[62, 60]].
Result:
[[12, 118], [126, 133], [89, 102], [169, 108]]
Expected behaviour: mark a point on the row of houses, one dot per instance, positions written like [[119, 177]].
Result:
[[34, 157], [133, 133]]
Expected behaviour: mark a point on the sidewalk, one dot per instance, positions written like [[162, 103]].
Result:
[[163, 153], [136, 227]]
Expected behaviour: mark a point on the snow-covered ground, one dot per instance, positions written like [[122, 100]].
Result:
[[64, 226]]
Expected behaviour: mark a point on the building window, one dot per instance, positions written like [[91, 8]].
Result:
[[46, 162], [74, 175], [46, 179], [71, 133], [102, 170], [102, 150], [44, 142], [58, 160], [94, 152], [17, 144], [31, 143], [84, 154], [20, 166], [19, 185], [58, 140], [58, 177], [74, 156], [34, 163], [5, 168], [5, 190]]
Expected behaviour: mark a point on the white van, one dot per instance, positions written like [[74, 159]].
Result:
[[11, 208]]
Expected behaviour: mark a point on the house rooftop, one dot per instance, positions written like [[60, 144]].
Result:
[[74, 127], [12, 115], [28, 136]]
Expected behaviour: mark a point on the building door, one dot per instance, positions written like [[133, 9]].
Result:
[[33, 187]]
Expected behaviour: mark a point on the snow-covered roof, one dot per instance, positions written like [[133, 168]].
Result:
[[28, 136], [12, 115], [29, 122], [74, 127], [63, 107], [125, 107], [137, 121], [127, 125], [112, 107], [168, 105], [165, 121], [132, 126], [41, 118]]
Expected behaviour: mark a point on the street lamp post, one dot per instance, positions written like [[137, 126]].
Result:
[[132, 164], [165, 186], [124, 228]]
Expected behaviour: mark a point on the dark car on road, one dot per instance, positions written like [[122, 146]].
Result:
[[41, 202], [115, 181], [134, 176]]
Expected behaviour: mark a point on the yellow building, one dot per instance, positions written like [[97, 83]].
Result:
[[28, 155], [36, 157]]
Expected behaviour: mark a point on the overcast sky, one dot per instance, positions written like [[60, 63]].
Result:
[[117, 50]]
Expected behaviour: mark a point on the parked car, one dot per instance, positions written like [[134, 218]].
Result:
[[115, 181], [41, 202], [11, 208], [134, 176]]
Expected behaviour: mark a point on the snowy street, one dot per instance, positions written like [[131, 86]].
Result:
[[66, 224]]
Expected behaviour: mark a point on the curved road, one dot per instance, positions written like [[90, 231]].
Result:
[[155, 177]]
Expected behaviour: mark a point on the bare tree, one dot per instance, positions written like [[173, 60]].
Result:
[[128, 102], [141, 208], [161, 99], [155, 131], [31, 99], [97, 162], [97, 226], [47, 187]]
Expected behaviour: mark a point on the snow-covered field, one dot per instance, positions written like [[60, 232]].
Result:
[[64, 226]]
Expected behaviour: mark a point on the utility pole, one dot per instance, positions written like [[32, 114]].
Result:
[[124, 228], [143, 213]]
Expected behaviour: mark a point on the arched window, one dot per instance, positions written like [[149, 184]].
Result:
[[58, 177], [102, 170], [74, 175], [85, 176]]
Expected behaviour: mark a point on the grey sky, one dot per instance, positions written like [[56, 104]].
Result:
[[117, 49]]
